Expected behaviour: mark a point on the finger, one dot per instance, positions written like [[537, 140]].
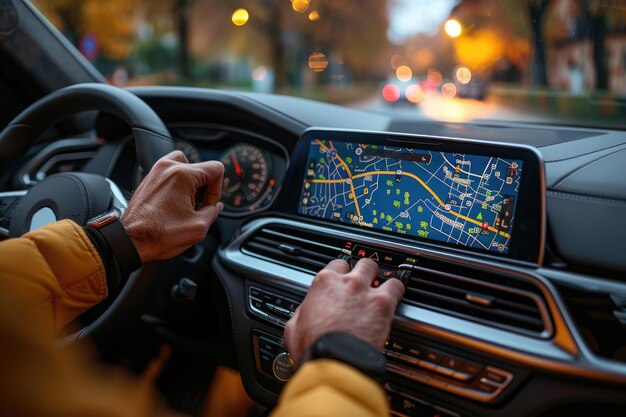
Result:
[[366, 269], [210, 176], [338, 265], [394, 288], [177, 156], [210, 213], [156, 366]]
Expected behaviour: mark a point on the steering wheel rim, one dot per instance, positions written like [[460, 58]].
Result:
[[152, 141]]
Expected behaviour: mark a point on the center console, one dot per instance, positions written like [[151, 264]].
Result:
[[460, 223]]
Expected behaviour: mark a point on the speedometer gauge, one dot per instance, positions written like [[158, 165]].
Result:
[[246, 175], [190, 151]]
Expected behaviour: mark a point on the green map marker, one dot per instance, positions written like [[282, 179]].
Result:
[[479, 217]]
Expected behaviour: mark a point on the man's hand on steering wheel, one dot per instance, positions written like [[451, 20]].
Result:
[[161, 218]]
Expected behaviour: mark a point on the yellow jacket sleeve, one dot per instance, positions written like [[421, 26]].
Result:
[[55, 272], [47, 278], [327, 388]]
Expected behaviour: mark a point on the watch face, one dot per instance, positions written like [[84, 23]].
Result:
[[103, 219]]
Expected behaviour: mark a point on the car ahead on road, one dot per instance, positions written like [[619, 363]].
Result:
[[508, 235]]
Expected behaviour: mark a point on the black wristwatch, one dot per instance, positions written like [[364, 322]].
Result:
[[350, 350], [121, 245]]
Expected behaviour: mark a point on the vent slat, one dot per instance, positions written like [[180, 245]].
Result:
[[479, 310], [462, 290], [295, 248], [451, 289]]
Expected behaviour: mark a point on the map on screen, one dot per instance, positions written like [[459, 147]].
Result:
[[462, 199]]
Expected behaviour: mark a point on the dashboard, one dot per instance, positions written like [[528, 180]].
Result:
[[508, 238]]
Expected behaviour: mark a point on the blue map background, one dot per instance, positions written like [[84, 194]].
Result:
[[466, 200]]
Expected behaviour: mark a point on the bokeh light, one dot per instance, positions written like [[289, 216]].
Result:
[[318, 62], [240, 17], [434, 76], [259, 73], [391, 92], [314, 16], [464, 75], [453, 28], [300, 6], [397, 61], [448, 90], [404, 73], [414, 93]]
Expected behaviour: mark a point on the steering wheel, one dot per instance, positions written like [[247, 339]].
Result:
[[81, 196]]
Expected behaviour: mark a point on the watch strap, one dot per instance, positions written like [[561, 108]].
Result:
[[122, 247], [352, 351]]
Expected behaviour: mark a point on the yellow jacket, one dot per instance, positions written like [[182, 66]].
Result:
[[52, 275]]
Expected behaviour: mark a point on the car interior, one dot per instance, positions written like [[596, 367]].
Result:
[[513, 260]]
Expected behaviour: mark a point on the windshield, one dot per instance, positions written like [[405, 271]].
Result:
[[558, 61]]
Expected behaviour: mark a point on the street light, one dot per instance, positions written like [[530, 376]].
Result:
[[453, 28], [240, 17]]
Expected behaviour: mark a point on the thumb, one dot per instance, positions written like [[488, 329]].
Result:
[[177, 156], [211, 212]]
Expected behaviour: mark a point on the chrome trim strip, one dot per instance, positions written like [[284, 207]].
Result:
[[564, 353], [27, 175], [119, 201], [41, 174]]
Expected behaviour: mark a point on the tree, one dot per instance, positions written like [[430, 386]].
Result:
[[536, 12], [111, 22]]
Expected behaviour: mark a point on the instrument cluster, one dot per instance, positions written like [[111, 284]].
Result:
[[254, 165]]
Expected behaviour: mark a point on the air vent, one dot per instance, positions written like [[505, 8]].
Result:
[[493, 299], [295, 248]]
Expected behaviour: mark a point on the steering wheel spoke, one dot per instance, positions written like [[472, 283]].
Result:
[[8, 202]]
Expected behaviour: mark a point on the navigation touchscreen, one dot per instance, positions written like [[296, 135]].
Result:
[[462, 199]]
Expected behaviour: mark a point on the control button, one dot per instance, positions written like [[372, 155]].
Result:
[[417, 351], [291, 305], [282, 312], [283, 367], [257, 304], [398, 345], [266, 359], [268, 298], [471, 368], [433, 357], [451, 363], [271, 347], [270, 308], [495, 377], [344, 256], [376, 283], [386, 273], [403, 275], [256, 293]]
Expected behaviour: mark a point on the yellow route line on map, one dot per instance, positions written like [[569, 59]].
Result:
[[410, 175]]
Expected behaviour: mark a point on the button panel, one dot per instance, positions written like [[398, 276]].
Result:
[[441, 370], [390, 265], [406, 404], [270, 357], [271, 307]]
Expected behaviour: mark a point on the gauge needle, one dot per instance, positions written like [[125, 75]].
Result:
[[237, 167]]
